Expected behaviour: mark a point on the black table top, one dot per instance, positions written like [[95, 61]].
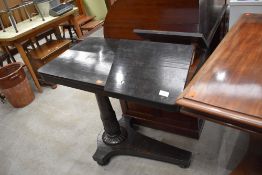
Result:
[[147, 72], [84, 66]]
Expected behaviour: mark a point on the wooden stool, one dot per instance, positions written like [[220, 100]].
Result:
[[92, 25], [68, 27], [81, 20], [40, 54]]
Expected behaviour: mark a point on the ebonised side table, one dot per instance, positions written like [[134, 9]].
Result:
[[146, 72]]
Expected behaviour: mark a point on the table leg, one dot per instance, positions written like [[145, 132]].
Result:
[[252, 162], [28, 65], [73, 21], [7, 51], [119, 138]]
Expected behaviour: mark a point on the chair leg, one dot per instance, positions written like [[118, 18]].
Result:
[[10, 58], [13, 59], [63, 32], [70, 33], [74, 30]]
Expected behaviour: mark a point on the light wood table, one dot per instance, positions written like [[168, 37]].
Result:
[[228, 88], [28, 29]]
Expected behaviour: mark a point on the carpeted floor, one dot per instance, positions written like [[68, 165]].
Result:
[[56, 135]]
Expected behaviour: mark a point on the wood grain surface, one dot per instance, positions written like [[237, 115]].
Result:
[[229, 85], [192, 17]]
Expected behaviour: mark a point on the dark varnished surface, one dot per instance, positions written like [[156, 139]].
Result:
[[196, 19], [252, 162], [173, 37], [210, 12], [141, 69], [83, 70], [88, 63], [229, 86], [203, 36], [193, 16]]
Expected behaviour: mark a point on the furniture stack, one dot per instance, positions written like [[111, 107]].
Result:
[[87, 23], [199, 23], [36, 47], [44, 48], [19, 8]]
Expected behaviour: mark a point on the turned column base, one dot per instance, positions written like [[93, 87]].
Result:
[[136, 144]]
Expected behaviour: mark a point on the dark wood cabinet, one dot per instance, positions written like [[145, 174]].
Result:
[[196, 22], [174, 122]]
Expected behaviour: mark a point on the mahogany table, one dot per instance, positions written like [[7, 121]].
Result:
[[228, 88], [28, 29], [150, 73]]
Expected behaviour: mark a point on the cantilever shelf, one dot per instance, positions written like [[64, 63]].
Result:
[[187, 37]]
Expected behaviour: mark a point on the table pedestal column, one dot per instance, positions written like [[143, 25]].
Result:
[[119, 138], [252, 162]]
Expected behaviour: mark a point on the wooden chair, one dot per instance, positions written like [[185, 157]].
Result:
[[92, 25], [44, 48], [81, 20], [19, 14], [84, 21]]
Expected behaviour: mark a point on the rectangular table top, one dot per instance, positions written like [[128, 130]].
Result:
[[85, 65], [229, 85], [150, 72], [28, 26]]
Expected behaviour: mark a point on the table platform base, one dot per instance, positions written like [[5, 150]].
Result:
[[252, 162], [139, 145]]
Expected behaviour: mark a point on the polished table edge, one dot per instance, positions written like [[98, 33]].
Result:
[[168, 107], [238, 120], [172, 35], [220, 115], [171, 107], [100, 89], [74, 83]]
